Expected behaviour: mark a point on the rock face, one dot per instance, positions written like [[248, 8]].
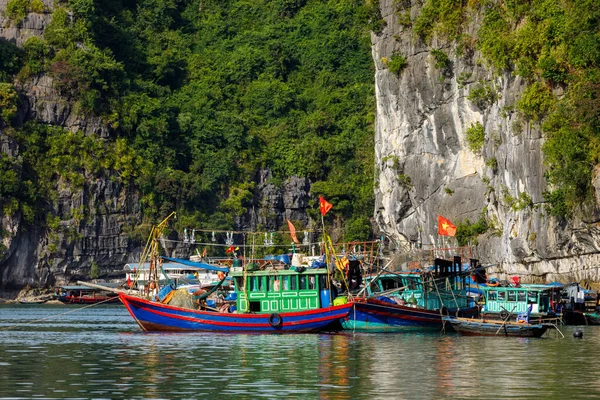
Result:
[[425, 168], [97, 221], [272, 204], [94, 219]]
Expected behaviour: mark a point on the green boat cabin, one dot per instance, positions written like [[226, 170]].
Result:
[[442, 285], [517, 299], [269, 291]]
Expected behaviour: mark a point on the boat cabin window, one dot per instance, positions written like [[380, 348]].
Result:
[[390, 283], [312, 282], [544, 302], [501, 295], [239, 283], [532, 297], [302, 279], [512, 296], [492, 295], [293, 282], [273, 284], [256, 284], [322, 282], [521, 296]]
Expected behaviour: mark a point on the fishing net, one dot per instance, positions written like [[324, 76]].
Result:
[[181, 298]]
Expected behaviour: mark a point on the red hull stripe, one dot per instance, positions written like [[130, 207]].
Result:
[[162, 310], [238, 324]]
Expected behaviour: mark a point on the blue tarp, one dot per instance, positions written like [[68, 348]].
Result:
[[197, 264]]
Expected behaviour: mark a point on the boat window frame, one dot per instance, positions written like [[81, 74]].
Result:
[[511, 296], [257, 284], [501, 295], [302, 282], [530, 299], [239, 283]]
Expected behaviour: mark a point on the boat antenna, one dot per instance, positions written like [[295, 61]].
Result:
[[151, 253]]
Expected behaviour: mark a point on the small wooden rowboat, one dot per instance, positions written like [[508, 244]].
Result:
[[484, 327]]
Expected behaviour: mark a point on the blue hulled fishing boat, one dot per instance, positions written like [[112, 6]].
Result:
[[412, 301], [268, 298]]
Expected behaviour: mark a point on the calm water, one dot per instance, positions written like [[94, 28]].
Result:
[[100, 352]]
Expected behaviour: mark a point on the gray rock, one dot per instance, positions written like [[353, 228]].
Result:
[[422, 118]]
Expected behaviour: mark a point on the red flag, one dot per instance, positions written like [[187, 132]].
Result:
[[324, 205], [445, 227], [129, 280], [230, 249], [292, 231]]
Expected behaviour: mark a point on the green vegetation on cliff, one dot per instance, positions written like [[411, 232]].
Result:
[[202, 94], [555, 47]]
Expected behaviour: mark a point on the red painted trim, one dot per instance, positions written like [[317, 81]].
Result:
[[151, 307]]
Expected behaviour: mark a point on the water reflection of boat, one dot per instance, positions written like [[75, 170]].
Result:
[[482, 327]]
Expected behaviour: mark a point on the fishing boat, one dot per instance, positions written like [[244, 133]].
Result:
[[501, 302], [184, 272], [85, 294], [267, 299], [485, 327], [32, 301], [412, 301], [592, 318]]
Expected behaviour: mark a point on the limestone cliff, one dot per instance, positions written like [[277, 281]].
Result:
[[100, 223], [425, 167]]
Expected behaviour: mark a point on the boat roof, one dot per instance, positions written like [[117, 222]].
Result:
[[166, 266], [83, 287], [528, 287], [280, 272]]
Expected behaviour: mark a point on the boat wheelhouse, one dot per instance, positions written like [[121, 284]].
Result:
[[504, 301], [282, 290]]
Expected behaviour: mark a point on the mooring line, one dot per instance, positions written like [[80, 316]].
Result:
[[54, 315]]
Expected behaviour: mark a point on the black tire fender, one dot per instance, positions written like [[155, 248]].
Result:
[[275, 320]]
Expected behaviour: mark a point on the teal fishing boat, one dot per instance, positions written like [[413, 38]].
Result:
[[412, 300], [502, 302]]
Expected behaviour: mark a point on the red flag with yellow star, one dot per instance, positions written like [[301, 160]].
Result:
[[445, 227], [324, 205]]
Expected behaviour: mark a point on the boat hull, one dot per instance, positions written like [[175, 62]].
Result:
[[379, 316], [592, 318], [473, 327], [153, 316]]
